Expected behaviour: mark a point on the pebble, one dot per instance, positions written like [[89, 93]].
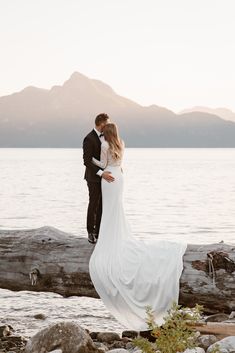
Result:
[[232, 315], [40, 317], [206, 341], [101, 346], [108, 337], [5, 330]]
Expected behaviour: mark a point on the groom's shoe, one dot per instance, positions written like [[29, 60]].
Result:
[[147, 334], [91, 238]]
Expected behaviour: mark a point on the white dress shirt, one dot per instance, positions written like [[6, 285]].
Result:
[[100, 171]]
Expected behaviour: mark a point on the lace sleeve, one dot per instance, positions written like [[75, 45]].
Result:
[[102, 163]]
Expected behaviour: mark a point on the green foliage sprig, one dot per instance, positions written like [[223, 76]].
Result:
[[176, 334]]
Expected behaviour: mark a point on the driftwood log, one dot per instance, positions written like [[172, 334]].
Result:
[[216, 328], [47, 259]]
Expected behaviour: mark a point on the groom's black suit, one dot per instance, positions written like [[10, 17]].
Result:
[[91, 148]]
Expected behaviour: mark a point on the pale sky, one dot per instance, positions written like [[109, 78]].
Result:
[[173, 53]]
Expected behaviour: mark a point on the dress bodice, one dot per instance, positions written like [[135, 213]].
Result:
[[106, 158]]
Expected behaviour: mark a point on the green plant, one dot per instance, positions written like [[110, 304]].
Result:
[[176, 334]]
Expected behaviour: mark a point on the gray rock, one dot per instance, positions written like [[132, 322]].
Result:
[[227, 343], [117, 344], [194, 350], [94, 334], [101, 346], [217, 318], [40, 316], [232, 315], [136, 350], [69, 337], [130, 334], [130, 347], [12, 343], [206, 341], [108, 337], [5, 330], [118, 350]]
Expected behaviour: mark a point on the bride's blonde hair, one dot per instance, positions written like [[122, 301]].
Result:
[[116, 145]]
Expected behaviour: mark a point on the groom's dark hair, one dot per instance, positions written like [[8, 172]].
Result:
[[101, 118]]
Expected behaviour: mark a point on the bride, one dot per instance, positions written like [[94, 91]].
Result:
[[130, 274]]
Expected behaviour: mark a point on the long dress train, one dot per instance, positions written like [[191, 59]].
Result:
[[130, 274]]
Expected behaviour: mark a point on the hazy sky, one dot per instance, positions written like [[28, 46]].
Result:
[[173, 53]]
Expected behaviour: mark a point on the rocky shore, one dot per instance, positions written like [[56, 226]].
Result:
[[69, 337]]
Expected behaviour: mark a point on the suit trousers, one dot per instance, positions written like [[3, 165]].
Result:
[[94, 210]]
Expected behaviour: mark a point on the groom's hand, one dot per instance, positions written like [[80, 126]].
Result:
[[107, 176]]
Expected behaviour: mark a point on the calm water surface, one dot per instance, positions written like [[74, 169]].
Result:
[[186, 194], [183, 194]]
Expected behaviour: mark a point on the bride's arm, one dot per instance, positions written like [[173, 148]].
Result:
[[102, 163]]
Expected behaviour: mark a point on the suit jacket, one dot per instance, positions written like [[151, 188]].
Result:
[[91, 148]]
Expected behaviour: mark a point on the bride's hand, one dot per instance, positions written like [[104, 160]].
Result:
[[107, 176]]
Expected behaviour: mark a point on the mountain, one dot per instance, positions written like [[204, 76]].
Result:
[[63, 115], [223, 113]]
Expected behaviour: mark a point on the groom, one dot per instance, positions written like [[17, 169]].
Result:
[[93, 175]]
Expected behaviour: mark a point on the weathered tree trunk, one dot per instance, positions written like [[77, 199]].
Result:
[[47, 259], [216, 328]]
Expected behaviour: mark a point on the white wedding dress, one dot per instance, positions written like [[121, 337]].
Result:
[[130, 274]]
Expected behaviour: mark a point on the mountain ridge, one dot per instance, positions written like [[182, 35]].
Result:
[[223, 113], [62, 115]]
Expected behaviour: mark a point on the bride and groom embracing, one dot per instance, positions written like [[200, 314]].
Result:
[[129, 274]]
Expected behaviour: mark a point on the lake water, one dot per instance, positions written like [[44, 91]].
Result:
[[186, 194], [182, 194]]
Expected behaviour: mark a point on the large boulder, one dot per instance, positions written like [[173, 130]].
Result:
[[227, 343], [68, 337]]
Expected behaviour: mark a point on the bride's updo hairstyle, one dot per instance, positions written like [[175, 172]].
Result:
[[116, 145]]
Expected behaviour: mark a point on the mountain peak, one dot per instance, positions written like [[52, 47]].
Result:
[[77, 76], [77, 81]]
